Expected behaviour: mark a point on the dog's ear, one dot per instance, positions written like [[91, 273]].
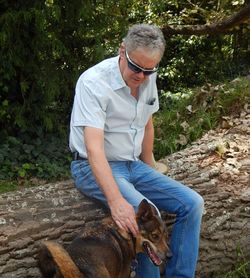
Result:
[[145, 210]]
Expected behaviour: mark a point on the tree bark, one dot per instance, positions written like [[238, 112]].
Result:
[[216, 28], [217, 166]]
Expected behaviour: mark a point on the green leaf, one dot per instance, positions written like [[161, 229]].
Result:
[[21, 173]]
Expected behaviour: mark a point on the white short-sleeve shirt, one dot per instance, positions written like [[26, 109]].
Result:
[[103, 100]]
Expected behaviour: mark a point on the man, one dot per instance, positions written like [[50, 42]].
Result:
[[112, 137]]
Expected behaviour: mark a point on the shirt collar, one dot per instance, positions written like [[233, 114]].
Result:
[[117, 81]]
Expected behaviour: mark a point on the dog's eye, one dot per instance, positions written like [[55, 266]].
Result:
[[155, 236]]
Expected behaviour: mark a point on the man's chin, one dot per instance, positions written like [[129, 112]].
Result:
[[133, 84]]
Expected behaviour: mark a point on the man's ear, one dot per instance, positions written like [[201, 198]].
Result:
[[122, 46], [122, 49]]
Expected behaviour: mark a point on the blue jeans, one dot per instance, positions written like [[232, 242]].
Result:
[[137, 181]]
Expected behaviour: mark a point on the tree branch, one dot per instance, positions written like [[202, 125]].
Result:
[[222, 27]]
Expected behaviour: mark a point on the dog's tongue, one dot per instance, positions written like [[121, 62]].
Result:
[[155, 259]]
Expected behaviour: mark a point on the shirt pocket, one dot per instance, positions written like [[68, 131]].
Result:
[[144, 113]]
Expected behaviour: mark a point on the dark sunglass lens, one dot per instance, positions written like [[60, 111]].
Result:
[[134, 68], [148, 72]]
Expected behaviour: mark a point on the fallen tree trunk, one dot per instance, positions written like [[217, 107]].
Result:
[[217, 166]]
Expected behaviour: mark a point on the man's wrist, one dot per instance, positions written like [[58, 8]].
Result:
[[114, 198]]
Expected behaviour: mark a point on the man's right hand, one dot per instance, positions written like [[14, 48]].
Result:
[[124, 215]]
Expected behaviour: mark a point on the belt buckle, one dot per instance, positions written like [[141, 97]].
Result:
[[75, 155]]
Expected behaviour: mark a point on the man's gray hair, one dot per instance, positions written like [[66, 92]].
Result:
[[145, 36]]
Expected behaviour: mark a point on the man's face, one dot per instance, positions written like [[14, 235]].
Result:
[[137, 65]]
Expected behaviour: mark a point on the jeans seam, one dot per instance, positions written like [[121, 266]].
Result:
[[182, 233], [180, 249]]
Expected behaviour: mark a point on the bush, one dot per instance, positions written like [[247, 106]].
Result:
[[46, 158]]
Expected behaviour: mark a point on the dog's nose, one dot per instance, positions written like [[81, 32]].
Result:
[[169, 254]]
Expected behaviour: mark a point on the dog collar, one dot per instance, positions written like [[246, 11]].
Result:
[[133, 266]]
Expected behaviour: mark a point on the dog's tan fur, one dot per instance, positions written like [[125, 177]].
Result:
[[63, 261]]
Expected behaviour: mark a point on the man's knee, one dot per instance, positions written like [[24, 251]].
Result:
[[194, 205], [197, 204]]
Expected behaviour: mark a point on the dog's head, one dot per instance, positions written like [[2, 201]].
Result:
[[152, 238]]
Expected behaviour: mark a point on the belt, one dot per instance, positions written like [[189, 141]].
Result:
[[76, 156]]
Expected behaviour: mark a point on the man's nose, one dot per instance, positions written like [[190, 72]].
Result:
[[140, 74]]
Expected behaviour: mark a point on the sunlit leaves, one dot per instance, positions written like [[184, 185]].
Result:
[[187, 115]]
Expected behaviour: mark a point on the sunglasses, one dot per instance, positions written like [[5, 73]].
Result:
[[137, 69]]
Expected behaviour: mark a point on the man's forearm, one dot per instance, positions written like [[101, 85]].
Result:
[[99, 164], [103, 174], [147, 144]]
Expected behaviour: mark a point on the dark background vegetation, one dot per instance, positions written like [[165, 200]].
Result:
[[45, 45]]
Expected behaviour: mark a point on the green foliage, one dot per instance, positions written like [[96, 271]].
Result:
[[185, 116], [44, 47], [241, 269], [7, 185], [190, 66], [45, 157]]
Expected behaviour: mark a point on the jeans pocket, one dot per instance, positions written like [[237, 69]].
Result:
[[79, 168]]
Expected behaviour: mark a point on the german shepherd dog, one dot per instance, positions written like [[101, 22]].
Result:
[[106, 252]]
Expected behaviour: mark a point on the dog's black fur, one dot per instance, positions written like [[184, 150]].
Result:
[[106, 252]]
